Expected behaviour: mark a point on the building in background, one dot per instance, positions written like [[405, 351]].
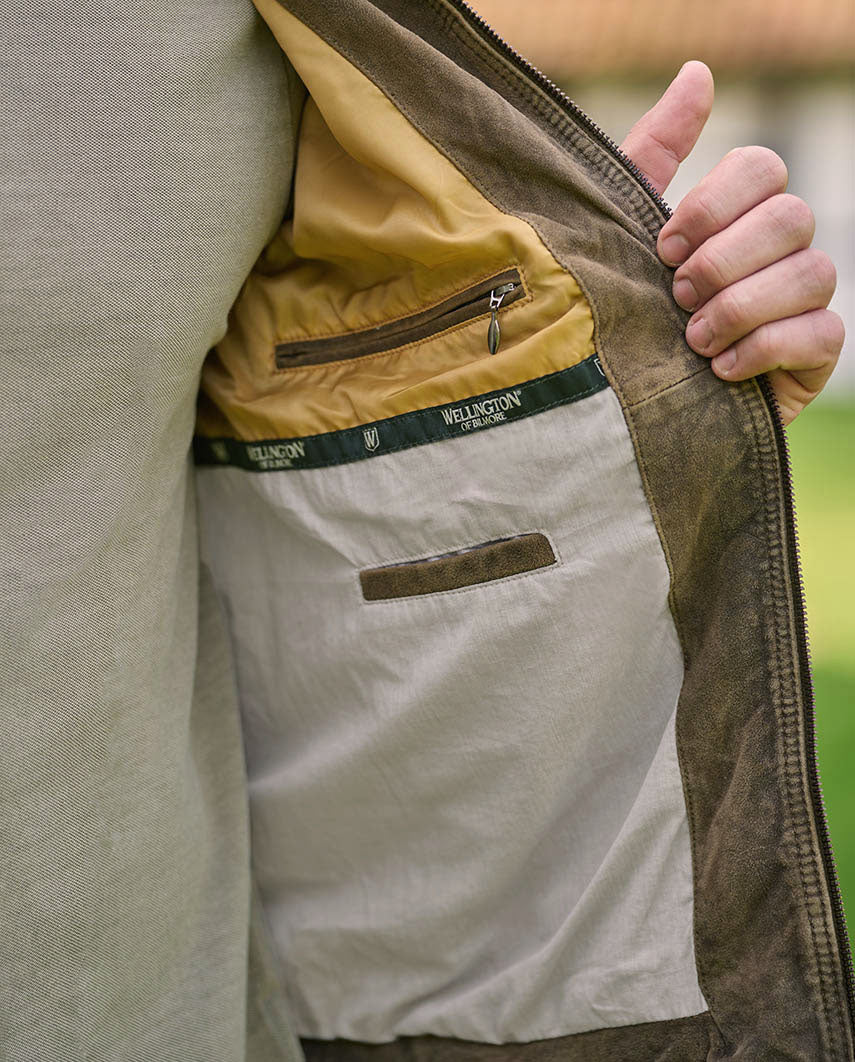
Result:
[[785, 77]]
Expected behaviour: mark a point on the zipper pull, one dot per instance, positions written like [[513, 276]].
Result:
[[494, 333]]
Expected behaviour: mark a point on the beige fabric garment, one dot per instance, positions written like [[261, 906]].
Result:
[[145, 151]]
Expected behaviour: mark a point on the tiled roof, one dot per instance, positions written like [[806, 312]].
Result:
[[579, 38]]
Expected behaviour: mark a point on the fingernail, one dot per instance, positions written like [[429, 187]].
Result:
[[725, 361], [699, 334], [674, 249], [685, 294]]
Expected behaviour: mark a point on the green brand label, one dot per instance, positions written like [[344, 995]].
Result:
[[407, 429]]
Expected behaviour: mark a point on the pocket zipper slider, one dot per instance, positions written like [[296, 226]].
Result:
[[494, 333]]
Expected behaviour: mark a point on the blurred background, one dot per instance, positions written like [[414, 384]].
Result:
[[785, 78]]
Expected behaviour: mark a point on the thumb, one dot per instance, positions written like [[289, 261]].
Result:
[[662, 138]]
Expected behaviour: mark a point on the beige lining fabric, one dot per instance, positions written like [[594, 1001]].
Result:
[[145, 153], [383, 226], [468, 818]]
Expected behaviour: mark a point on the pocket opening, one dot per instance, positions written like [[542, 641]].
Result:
[[497, 559], [461, 308]]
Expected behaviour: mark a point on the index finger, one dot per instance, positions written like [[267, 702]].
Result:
[[744, 177]]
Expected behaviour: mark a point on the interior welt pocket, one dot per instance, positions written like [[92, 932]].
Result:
[[488, 296], [465, 567]]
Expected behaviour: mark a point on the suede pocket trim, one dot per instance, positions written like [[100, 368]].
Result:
[[498, 559]]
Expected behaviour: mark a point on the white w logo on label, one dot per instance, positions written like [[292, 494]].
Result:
[[372, 438]]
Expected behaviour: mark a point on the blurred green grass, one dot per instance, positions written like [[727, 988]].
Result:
[[822, 445]]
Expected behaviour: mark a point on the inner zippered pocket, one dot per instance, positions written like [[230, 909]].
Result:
[[486, 297]]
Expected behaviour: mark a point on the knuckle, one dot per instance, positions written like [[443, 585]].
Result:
[[793, 216], [705, 212], [764, 345], [729, 310], [765, 165], [829, 332], [712, 269], [821, 272], [838, 331]]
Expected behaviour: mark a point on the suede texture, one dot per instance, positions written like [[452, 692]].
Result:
[[769, 961], [481, 564]]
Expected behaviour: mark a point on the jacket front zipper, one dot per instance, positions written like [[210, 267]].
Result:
[[486, 297], [567, 107], [802, 642], [562, 101]]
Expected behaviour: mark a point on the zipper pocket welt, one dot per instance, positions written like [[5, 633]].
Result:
[[486, 297]]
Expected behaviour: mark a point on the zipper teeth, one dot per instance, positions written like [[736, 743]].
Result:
[[390, 334], [565, 103], [803, 644], [562, 100]]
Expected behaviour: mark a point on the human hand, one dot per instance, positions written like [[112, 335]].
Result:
[[741, 245]]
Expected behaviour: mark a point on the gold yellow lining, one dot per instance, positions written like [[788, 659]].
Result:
[[383, 226]]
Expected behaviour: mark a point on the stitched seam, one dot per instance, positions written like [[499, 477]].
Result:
[[608, 170], [807, 868], [790, 770], [784, 702], [668, 387], [295, 338]]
